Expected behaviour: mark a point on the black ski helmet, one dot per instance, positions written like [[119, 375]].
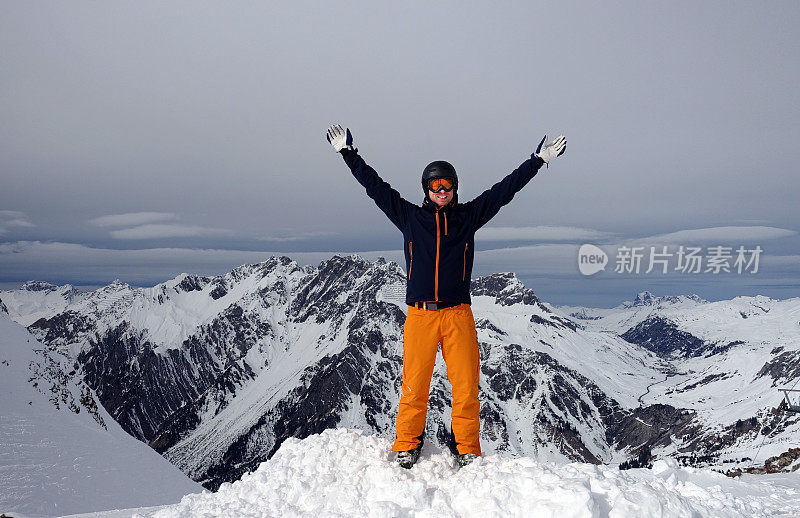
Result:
[[439, 169]]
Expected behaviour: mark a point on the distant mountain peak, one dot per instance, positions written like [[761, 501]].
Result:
[[506, 288], [345, 259], [645, 298], [38, 286]]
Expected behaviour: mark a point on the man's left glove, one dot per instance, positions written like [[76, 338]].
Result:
[[551, 150], [340, 139]]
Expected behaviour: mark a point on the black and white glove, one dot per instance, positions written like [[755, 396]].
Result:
[[340, 139], [551, 150]]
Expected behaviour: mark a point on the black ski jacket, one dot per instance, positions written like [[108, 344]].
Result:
[[439, 242]]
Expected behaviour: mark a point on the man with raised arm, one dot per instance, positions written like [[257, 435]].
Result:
[[439, 246]]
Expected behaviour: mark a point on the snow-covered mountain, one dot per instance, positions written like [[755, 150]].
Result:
[[62, 453], [727, 359], [36, 299], [217, 372]]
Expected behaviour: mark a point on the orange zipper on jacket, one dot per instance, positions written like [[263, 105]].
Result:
[[464, 275], [410, 259], [445, 223], [436, 272]]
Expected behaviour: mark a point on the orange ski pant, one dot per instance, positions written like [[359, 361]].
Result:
[[424, 329]]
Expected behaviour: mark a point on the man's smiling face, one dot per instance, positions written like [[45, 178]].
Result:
[[440, 198]]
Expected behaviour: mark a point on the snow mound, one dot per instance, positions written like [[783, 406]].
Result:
[[345, 473]]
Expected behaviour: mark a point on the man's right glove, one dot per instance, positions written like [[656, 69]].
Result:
[[551, 150], [340, 139]]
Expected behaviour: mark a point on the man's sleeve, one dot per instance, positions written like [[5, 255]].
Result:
[[386, 198], [488, 204]]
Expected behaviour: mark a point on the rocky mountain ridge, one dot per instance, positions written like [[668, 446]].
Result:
[[216, 372]]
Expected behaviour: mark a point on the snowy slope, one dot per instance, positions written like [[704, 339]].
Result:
[[54, 461], [345, 473]]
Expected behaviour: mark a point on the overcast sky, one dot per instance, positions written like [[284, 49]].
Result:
[[139, 140]]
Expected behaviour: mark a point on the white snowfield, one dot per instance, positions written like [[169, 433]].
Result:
[[345, 473]]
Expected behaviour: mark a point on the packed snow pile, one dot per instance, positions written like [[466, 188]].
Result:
[[345, 473]]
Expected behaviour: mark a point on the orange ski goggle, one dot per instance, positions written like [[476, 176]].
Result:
[[438, 184]]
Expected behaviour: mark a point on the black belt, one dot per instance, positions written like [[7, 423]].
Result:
[[435, 305]]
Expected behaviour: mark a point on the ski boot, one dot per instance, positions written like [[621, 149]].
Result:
[[462, 459], [406, 459]]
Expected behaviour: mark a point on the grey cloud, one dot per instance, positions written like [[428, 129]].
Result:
[[787, 263], [302, 236], [12, 215], [114, 108], [718, 235], [539, 233], [13, 218], [155, 231], [544, 259], [132, 219], [217, 122]]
